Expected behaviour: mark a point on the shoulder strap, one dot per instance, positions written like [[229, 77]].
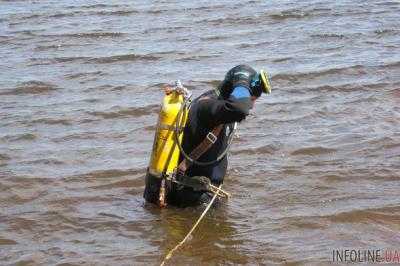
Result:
[[196, 153]]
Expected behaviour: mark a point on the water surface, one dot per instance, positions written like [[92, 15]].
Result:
[[315, 167]]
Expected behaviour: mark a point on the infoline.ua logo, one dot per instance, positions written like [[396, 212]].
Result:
[[365, 256]]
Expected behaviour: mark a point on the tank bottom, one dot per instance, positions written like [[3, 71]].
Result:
[[152, 189]]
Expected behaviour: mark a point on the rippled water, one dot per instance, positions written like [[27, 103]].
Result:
[[315, 168]]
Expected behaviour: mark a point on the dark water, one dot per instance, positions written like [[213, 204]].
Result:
[[315, 168]]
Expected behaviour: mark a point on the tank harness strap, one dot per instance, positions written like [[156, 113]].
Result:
[[207, 142]]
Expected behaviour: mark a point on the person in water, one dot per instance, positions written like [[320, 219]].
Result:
[[230, 102]]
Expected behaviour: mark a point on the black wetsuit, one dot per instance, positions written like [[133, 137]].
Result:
[[206, 112]]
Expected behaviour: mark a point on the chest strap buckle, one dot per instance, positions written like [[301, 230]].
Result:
[[211, 137]]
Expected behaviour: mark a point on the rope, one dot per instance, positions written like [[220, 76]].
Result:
[[169, 255]]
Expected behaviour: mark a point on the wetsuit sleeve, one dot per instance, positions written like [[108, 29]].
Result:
[[214, 112]]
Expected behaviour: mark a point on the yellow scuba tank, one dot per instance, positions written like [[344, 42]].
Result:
[[165, 153]]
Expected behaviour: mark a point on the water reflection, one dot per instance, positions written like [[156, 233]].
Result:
[[214, 240]]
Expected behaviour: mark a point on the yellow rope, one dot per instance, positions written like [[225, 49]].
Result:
[[221, 193], [169, 255]]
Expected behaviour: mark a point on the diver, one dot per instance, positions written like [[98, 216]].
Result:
[[211, 119]]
